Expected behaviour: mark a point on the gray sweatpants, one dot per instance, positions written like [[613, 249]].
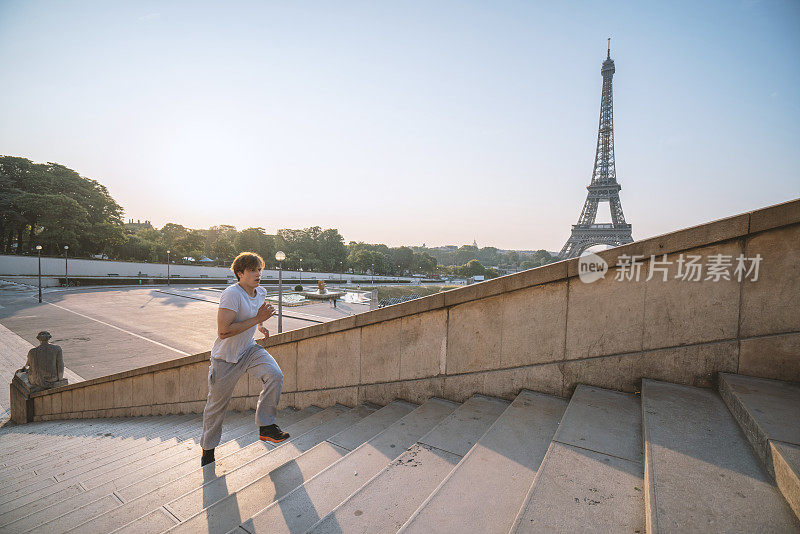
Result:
[[222, 379]]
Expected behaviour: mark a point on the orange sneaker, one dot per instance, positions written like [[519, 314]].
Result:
[[272, 433]]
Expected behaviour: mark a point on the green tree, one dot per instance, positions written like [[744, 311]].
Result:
[[136, 248], [364, 261], [402, 259], [55, 206], [223, 249], [189, 245], [331, 250], [537, 259], [512, 258], [378, 255], [255, 240], [63, 221], [464, 254], [171, 232], [150, 234], [219, 242], [473, 268], [13, 172], [424, 262]]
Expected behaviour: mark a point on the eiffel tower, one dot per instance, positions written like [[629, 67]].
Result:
[[604, 186]]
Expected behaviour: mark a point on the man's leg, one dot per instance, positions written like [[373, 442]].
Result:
[[263, 366], [222, 379]]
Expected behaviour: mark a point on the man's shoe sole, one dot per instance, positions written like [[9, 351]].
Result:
[[273, 440]]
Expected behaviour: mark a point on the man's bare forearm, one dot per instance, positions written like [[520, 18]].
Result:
[[237, 328]]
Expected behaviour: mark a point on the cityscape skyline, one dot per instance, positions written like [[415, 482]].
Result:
[[440, 123]]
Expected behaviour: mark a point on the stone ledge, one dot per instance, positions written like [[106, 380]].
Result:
[[709, 233], [713, 232], [775, 216], [465, 378], [178, 362]]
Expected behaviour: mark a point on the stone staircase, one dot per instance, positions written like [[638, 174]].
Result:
[[673, 459]]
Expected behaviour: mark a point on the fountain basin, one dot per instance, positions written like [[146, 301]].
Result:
[[322, 295]]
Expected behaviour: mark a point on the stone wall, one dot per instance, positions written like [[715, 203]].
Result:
[[542, 329]]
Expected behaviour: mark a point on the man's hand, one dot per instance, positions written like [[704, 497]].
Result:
[[263, 330], [265, 312], [227, 327]]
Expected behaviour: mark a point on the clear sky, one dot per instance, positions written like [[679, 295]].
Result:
[[406, 122]]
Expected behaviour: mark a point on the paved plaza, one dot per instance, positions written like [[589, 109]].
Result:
[[107, 330]]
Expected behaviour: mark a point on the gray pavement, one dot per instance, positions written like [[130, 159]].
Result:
[[109, 330]]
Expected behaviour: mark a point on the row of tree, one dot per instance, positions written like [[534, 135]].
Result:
[[50, 205], [53, 206], [510, 259], [310, 249]]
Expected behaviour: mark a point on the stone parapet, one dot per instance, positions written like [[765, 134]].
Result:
[[543, 329]]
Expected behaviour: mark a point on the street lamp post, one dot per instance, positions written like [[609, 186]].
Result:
[[301, 271], [66, 266], [280, 256], [168, 267], [39, 253], [373, 274]]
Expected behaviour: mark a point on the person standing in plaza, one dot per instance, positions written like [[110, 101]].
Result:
[[242, 309]]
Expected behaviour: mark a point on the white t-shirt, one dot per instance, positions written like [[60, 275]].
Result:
[[246, 307]]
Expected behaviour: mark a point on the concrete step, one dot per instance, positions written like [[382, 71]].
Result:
[[303, 506], [246, 501], [136, 500], [76, 484], [82, 427], [504, 462], [65, 438], [108, 492], [700, 472], [26, 435], [18, 434], [46, 486], [65, 465], [72, 424], [385, 502], [102, 441], [183, 457], [196, 499], [49, 448], [592, 472], [106, 467], [786, 461], [768, 411]]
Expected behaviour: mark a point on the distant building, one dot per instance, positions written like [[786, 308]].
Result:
[[134, 227]]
